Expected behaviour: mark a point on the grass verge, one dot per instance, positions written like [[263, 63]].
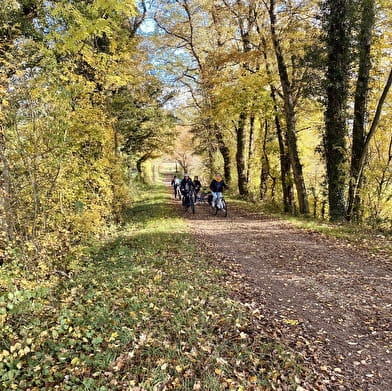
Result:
[[142, 312], [375, 241]]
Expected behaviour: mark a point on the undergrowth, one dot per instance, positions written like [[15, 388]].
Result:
[[141, 311]]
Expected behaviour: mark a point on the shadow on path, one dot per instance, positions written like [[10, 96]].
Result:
[[325, 294]]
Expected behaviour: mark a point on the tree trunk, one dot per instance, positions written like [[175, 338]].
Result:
[[250, 148], [361, 95], [5, 189], [265, 166], [245, 24], [139, 163], [285, 177], [240, 154], [273, 186], [285, 165], [335, 115], [289, 116], [225, 152], [372, 129]]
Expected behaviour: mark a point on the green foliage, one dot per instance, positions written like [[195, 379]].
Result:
[[143, 309], [231, 70], [147, 128], [66, 180]]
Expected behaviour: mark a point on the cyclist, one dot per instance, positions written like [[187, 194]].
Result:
[[197, 184], [186, 187], [175, 183], [217, 185]]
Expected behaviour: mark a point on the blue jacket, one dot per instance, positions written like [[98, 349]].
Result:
[[216, 186]]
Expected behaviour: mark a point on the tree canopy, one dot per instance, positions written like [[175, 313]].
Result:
[[290, 100]]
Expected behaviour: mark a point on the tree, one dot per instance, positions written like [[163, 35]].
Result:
[[289, 109], [188, 46], [361, 97], [61, 61], [337, 18], [147, 128], [285, 165]]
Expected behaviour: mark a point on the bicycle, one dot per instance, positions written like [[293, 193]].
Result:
[[202, 198], [220, 206], [188, 201]]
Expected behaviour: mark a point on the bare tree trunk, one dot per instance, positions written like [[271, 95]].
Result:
[[323, 205], [240, 154], [245, 22], [225, 152], [285, 166], [315, 201], [372, 130], [289, 116], [265, 166], [273, 186]]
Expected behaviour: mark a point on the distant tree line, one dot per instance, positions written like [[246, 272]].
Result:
[[289, 98]]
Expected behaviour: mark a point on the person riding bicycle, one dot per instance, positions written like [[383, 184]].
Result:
[[186, 187], [217, 185], [197, 185], [175, 183]]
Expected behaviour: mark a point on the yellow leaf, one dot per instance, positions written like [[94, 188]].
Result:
[[292, 322], [75, 361], [113, 336]]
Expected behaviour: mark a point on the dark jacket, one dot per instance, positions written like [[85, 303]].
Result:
[[216, 186], [186, 185], [197, 184]]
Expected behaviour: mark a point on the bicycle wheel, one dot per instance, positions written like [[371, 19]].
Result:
[[192, 205], [217, 204], [224, 207]]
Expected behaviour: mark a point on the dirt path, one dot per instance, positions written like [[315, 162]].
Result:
[[327, 300]]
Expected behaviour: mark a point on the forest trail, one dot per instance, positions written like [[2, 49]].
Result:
[[324, 298]]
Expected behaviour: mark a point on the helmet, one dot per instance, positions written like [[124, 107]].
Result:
[[186, 175]]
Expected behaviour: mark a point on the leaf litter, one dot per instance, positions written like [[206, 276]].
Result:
[[326, 299]]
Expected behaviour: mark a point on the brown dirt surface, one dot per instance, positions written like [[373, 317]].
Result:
[[326, 299]]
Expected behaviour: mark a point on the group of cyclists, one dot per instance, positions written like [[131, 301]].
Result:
[[190, 190]]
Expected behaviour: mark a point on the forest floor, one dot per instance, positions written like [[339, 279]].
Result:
[[327, 299]]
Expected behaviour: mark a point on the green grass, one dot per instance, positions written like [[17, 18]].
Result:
[[143, 309], [374, 240], [371, 239]]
